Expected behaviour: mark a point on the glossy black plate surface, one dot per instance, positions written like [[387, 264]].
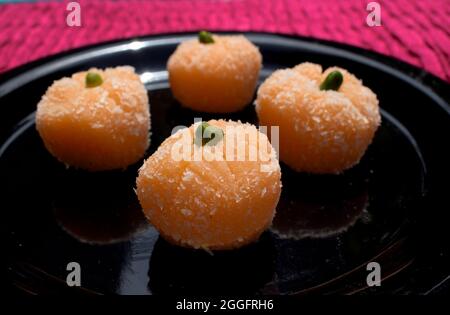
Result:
[[389, 209]]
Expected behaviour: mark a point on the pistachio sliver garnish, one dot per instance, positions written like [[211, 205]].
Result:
[[333, 81], [206, 134], [205, 37], [93, 79]]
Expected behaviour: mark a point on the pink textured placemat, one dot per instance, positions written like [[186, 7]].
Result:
[[415, 31]]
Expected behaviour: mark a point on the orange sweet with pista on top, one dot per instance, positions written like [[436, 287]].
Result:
[[96, 120], [216, 202], [326, 119], [214, 73]]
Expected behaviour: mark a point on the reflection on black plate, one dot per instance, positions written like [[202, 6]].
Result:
[[175, 270], [387, 209], [97, 208]]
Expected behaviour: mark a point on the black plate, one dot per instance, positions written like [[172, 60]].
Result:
[[388, 209]]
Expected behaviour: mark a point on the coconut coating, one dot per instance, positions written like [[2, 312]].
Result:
[[219, 77], [99, 128], [214, 204], [320, 131]]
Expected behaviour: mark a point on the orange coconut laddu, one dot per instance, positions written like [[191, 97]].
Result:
[[223, 200], [96, 120], [214, 73], [326, 119]]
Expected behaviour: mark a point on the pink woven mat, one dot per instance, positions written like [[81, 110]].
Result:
[[415, 31]]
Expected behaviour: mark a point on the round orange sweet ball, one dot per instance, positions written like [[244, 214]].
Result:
[[326, 119], [219, 201], [96, 120], [216, 74]]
